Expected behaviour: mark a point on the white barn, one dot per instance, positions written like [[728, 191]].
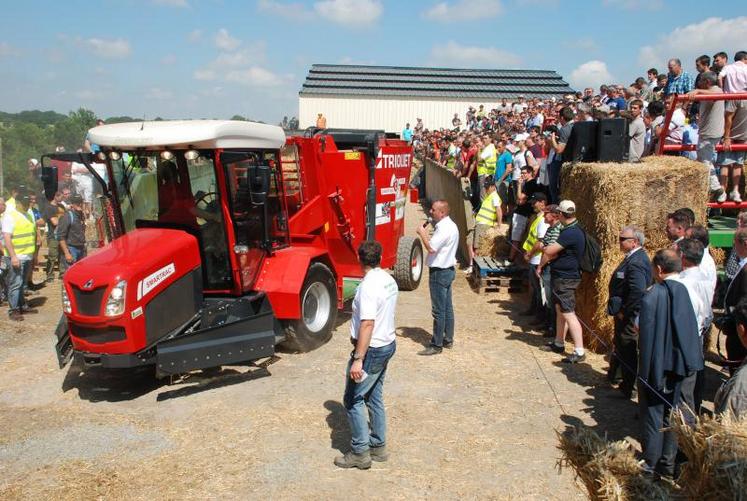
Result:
[[388, 97]]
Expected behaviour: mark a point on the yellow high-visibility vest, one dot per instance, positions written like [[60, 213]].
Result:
[[24, 233], [487, 213], [487, 166], [532, 237]]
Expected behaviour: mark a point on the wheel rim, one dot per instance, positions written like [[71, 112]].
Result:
[[416, 264], [315, 307]]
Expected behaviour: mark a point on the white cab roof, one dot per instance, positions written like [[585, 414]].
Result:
[[188, 134]]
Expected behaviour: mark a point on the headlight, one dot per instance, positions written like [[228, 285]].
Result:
[[115, 304], [66, 307]]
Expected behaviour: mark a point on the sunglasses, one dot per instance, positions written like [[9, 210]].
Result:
[[622, 239]]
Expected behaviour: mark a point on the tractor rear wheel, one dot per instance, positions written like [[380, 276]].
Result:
[[318, 311], [408, 270]]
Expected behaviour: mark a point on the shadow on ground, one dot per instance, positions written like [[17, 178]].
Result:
[[417, 334], [339, 429]]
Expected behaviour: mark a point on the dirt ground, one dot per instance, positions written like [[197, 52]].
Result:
[[478, 421]]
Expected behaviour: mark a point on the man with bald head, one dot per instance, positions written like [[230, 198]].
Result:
[[670, 355], [441, 260]]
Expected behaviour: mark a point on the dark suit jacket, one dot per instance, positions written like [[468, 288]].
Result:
[[628, 283], [669, 345], [736, 290]]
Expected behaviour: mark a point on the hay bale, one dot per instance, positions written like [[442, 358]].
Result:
[[716, 450], [608, 470], [609, 196], [719, 255], [494, 243]]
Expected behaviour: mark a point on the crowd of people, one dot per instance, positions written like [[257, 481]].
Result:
[[662, 307], [536, 131]]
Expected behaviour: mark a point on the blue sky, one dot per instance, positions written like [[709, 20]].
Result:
[[217, 58]]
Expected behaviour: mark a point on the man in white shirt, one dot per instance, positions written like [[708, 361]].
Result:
[[707, 264], [441, 247], [691, 251], [372, 334]]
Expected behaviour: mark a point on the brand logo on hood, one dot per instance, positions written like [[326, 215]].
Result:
[[88, 285]]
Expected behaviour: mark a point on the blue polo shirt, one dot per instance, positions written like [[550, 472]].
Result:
[[567, 264], [500, 167], [407, 135]]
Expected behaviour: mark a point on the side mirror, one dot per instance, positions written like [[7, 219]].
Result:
[[259, 184], [49, 180]]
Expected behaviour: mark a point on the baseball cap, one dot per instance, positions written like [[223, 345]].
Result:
[[488, 181], [521, 137], [567, 207], [76, 199], [537, 196], [552, 208]]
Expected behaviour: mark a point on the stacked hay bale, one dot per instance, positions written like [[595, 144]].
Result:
[[494, 243], [716, 467], [609, 196]]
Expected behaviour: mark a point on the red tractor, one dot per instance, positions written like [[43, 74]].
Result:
[[227, 239]]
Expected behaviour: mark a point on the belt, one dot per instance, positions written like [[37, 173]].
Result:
[[437, 268]]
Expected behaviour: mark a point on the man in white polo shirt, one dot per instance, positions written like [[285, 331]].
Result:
[[441, 247], [372, 334]]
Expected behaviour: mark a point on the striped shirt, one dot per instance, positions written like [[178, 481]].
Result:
[[551, 235]]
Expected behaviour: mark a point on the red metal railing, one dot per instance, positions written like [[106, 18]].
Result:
[[684, 98]]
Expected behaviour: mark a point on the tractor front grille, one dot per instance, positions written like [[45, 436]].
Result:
[[89, 302], [98, 335]]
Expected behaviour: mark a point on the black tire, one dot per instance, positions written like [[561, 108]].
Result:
[[408, 270], [314, 328]]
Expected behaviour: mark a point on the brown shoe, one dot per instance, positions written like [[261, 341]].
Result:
[[16, 316]]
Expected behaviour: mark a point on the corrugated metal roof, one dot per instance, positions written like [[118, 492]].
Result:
[[328, 79]]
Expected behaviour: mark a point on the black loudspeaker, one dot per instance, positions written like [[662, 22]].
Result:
[[612, 140], [582, 144]]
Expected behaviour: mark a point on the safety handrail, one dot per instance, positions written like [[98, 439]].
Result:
[[680, 98]]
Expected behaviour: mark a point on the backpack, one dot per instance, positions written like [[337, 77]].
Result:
[[591, 260]]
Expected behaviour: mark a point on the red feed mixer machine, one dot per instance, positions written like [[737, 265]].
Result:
[[227, 239]]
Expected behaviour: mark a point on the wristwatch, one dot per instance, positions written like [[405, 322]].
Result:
[[355, 356]]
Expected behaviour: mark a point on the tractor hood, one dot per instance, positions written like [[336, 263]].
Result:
[[147, 259]]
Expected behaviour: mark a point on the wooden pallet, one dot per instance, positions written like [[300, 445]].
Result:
[[488, 275]]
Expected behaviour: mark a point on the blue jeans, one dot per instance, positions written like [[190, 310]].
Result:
[[553, 174], [368, 393], [439, 282], [17, 285], [78, 253]]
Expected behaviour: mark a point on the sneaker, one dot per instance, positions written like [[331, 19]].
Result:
[[468, 270], [448, 345], [714, 183], [431, 350], [551, 346], [722, 197], [735, 196], [379, 453], [352, 460], [574, 358]]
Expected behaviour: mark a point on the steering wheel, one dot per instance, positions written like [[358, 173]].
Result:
[[205, 199]]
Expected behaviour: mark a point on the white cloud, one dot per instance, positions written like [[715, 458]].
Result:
[[634, 4], [584, 43], [117, 48], [255, 76], [224, 41], [350, 60], [194, 36], [461, 56], [464, 10], [156, 93], [350, 12], [590, 74], [255, 53], [294, 10], [205, 74], [688, 42], [7, 50], [172, 3]]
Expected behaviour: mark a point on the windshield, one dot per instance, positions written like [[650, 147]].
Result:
[[174, 190]]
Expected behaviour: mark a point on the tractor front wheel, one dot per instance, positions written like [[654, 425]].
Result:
[[318, 311]]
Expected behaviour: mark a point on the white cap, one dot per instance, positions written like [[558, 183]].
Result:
[[567, 207]]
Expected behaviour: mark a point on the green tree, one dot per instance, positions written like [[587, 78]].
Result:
[[71, 132]]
